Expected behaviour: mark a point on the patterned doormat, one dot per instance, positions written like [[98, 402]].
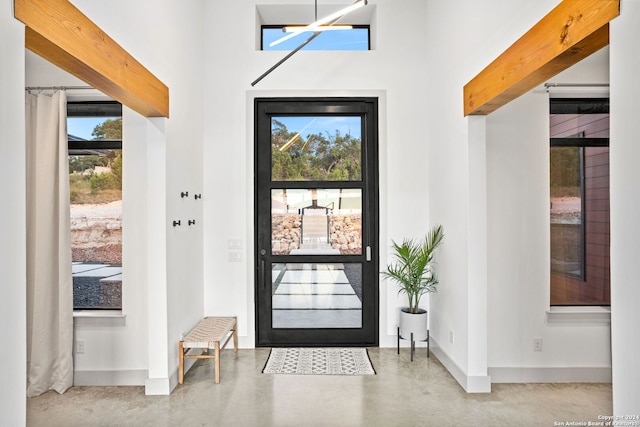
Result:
[[319, 361]]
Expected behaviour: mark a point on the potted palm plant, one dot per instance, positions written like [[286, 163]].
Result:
[[413, 269]]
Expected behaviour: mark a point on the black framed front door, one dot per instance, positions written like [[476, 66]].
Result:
[[316, 221]]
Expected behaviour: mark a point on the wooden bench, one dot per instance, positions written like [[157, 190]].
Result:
[[209, 333]]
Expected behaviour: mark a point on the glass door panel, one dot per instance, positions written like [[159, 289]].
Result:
[[316, 221], [324, 295], [316, 148]]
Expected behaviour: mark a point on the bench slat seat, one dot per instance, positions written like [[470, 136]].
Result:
[[209, 333]]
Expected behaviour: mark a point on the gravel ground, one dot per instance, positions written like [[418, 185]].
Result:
[[90, 293]]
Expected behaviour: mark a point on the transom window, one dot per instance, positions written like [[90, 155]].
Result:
[[355, 38]]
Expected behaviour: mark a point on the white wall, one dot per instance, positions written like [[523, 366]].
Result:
[[158, 259], [13, 267], [463, 37], [395, 71], [625, 209], [518, 247], [166, 37]]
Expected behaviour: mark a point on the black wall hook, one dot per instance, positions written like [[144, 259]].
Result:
[[197, 196], [192, 221], [184, 194], [176, 223]]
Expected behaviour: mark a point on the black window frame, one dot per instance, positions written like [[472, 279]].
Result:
[[78, 109], [367, 108], [599, 105], [263, 27], [92, 109]]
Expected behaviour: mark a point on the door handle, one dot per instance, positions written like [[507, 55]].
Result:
[[368, 253], [263, 269]]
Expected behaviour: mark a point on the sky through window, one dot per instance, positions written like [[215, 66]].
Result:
[[354, 39]]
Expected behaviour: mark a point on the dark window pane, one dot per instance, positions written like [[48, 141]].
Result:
[[579, 208], [567, 248]]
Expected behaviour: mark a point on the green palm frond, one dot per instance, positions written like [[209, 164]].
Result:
[[413, 267]]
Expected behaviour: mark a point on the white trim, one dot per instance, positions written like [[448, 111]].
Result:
[[165, 386], [578, 92], [110, 378], [157, 386], [550, 375], [106, 318], [99, 313], [245, 330], [470, 383], [575, 316]]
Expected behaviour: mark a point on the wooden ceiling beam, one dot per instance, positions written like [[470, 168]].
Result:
[[57, 31], [569, 33]]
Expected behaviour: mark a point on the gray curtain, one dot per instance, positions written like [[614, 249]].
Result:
[[49, 282]]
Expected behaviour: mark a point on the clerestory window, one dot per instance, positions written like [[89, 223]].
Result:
[[355, 38]]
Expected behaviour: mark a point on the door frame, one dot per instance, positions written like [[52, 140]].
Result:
[[370, 233]]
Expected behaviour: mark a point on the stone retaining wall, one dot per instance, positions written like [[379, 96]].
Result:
[[96, 233], [345, 232]]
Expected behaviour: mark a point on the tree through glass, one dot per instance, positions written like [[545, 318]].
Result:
[[95, 181], [325, 148], [579, 205], [316, 221]]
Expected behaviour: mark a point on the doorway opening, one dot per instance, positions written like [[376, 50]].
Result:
[[316, 201]]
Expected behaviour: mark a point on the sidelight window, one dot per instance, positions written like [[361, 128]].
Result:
[[95, 180], [579, 205]]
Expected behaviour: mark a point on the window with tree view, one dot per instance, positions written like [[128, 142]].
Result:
[[95, 180], [314, 154], [579, 208]]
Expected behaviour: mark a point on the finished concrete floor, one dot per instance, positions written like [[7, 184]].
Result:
[[403, 393]]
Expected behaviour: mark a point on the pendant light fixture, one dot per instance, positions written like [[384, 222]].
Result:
[[303, 28], [324, 24]]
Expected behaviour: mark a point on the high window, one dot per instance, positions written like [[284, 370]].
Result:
[[95, 178], [579, 208], [355, 38]]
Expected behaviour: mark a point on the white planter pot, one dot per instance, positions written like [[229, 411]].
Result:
[[416, 323]]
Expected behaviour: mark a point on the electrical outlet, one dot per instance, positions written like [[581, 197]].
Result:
[[537, 344], [235, 256], [79, 346], [451, 337]]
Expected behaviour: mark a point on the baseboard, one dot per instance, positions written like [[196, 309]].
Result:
[[110, 378], [550, 375], [470, 383], [173, 378], [157, 386], [162, 386]]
